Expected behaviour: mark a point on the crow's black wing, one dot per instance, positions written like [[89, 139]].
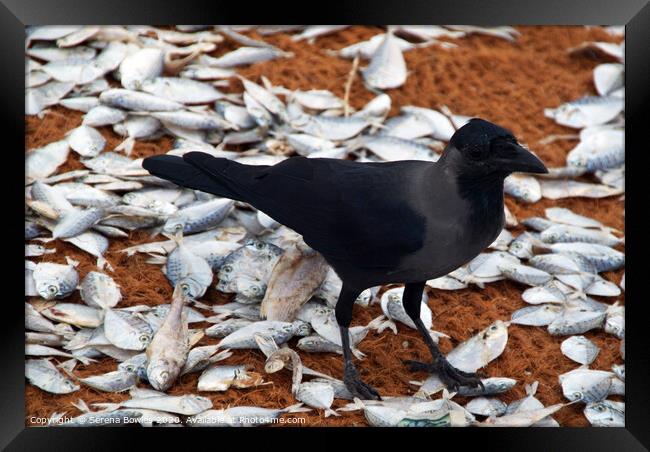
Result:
[[357, 212]]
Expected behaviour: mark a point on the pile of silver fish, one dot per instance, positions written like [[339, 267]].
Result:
[[144, 82]]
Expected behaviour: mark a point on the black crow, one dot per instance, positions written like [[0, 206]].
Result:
[[378, 223]]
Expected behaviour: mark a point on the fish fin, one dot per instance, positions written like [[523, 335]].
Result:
[[375, 323], [126, 146], [81, 406], [220, 356], [297, 408], [358, 353], [107, 406], [330, 412], [71, 261]]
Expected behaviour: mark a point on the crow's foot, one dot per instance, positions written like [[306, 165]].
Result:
[[357, 387], [448, 374]]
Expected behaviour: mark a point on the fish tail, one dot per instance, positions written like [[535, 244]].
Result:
[[330, 412]]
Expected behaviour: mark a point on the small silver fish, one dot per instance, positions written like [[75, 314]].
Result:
[[198, 217], [248, 269], [99, 290], [605, 413], [55, 280], [586, 385], [116, 381], [522, 187], [44, 375], [579, 349], [168, 349], [541, 315], [126, 330], [387, 68]]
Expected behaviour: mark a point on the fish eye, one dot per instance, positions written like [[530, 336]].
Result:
[[577, 395], [185, 287], [227, 268], [130, 368], [493, 328], [600, 408], [144, 338], [178, 227], [52, 290], [259, 245]]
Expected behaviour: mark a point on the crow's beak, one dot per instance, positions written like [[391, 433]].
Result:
[[522, 160]]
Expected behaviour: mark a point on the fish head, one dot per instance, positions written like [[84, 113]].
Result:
[[48, 289], [174, 225], [481, 148], [253, 290], [161, 374], [495, 337]]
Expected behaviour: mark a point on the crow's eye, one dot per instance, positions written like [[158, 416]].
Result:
[[475, 152]]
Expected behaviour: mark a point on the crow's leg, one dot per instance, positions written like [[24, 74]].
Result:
[[449, 375], [351, 378]]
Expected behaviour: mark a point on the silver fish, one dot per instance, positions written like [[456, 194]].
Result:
[[126, 330], [576, 319], [139, 66], [55, 280], [244, 337], [181, 90], [99, 290], [579, 349], [550, 292], [599, 151], [606, 413], [525, 274], [42, 162], [135, 100], [188, 271], [331, 127], [615, 320], [44, 375], [480, 349], [586, 111], [243, 56], [198, 217], [101, 115], [206, 72], [586, 385], [201, 357], [522, 187], [248, 269], [168, 349], [522, 246], [76, 222], [603, 258], [86, 141], [559, 189], [387, 68], [116, 381], [541, 315], [486, 406], [317, 395], [226, 327], [221, 378], [561, 264]]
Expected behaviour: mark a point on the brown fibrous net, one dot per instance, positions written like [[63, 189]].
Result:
[[509, 83]]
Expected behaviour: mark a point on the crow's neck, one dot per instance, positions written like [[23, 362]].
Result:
[[485, 196]]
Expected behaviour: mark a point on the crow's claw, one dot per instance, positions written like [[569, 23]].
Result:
[[357, 387], [452, 378]]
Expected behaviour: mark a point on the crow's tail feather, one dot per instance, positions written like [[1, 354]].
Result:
[[177, 170]]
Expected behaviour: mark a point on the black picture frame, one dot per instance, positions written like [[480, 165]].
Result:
[[635, 14]]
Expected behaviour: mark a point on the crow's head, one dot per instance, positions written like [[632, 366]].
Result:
[[484, 148]]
